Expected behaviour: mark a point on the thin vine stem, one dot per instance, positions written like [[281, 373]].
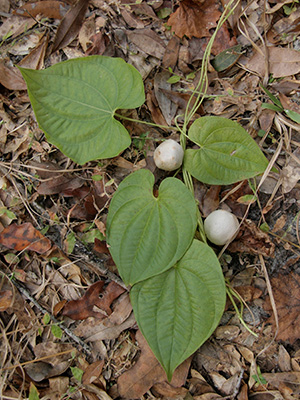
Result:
[[145, 122], [200, 93]]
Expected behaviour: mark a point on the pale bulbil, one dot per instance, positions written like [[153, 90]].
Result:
[[168, 155], [221, 227]]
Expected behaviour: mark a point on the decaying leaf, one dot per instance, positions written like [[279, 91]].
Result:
[[287, 299], [147, 372], [252, 240], [24, 237], [195, 18], [84, 307]]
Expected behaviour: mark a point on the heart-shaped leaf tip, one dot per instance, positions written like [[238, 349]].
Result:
[[148, 234]]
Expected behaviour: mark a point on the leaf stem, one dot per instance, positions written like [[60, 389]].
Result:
[[144, 122]]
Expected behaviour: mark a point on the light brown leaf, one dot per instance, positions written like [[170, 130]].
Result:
[[195, 18], [24, 237], [147, 372], [11, 77], [286, 292], [84, 307], [70, 25], [282, 62], [48, 8], [6, 299], [148, 41]]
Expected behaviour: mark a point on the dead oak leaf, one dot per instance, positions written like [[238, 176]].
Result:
[[286, 292], [84, 307], [195, 18], [24, 237]]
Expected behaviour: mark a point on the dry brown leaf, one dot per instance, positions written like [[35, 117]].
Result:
[[84, 307], [167, 107], [60, 184], [48, 8], [211, 200], [122, 318], [286, 292], [148, 41], [92, 372], [195, 18], [11, 77], [166, 390], [70, 25], [147, 371], [252, 240], [24, 237], [291, 172], [171, 53], [6, 299], [35, 59], [282, 62]]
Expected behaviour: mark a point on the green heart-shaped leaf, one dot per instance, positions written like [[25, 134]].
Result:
[[75, 101], [179, 309], [148, 234], [227, 153]]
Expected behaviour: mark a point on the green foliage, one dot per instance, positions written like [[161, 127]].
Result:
[[33, 392], [178, 290], [147, 234], [75, 102], [56, 331], [180, 308], [226, 154], [77, 373], [227, 58]]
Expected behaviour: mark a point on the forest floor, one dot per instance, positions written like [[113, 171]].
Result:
[[53, 211]]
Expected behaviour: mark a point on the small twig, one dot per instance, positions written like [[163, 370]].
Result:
[[67, 331]]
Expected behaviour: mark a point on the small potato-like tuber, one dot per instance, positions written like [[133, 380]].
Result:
[[221, 227], [168, 155]]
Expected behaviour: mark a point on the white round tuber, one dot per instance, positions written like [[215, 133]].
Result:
[[168, 155], [221, 227]]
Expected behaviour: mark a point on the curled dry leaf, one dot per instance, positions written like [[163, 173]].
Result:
[[122, 318], [252, 240], [84, 307], [24, 237]]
